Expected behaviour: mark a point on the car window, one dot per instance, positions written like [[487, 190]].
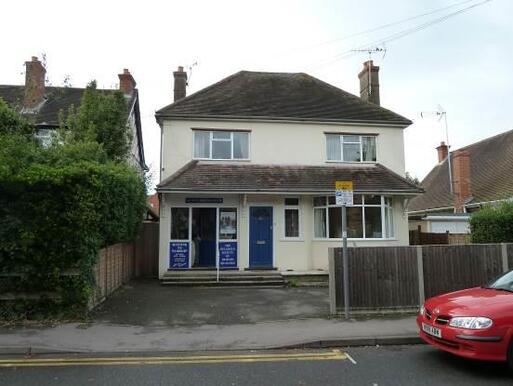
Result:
[[503, 282]]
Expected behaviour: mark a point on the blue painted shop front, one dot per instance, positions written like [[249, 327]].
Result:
[[203, 237]]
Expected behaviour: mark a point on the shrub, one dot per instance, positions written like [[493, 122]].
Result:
[[493, 224], [58, 207]]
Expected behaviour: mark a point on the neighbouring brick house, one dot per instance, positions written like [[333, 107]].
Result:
[[481, 174], [249, 164], [42, 104]]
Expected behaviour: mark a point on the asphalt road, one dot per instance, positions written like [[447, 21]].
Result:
[[374, 366]]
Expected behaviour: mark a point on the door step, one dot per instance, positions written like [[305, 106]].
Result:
[[226, 278]]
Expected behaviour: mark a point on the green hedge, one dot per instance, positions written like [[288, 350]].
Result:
[[493, 224], [58, 207]]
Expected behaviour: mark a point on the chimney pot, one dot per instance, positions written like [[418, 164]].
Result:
[[180, 77], [369, 74], [34, 83], [127, 82]]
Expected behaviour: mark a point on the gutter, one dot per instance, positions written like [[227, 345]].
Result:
[[270, 119], [282, 192]]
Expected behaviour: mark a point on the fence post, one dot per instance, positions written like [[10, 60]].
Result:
[[420, 271], [504, 253], [331, 281]]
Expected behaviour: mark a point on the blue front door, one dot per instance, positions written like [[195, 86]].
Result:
[[260, 237]]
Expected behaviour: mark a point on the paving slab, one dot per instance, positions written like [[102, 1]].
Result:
[[98, 337], [147, 303]]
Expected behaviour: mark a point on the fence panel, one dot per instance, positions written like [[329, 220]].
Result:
[[147, 250], [115, 266], [381, 278], [454, 267]]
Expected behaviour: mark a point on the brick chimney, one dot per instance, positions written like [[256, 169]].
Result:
[[180, 83], [34, 83], [443, 151], [126, 82], [369, 72], [461, 179]]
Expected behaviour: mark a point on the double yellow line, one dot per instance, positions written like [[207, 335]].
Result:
[[117, 361]]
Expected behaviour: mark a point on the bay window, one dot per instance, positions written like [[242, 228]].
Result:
[[370, 217], [350, 148], [221, 145]]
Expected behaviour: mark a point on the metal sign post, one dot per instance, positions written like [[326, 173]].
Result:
[[344, 197], [345, 262]]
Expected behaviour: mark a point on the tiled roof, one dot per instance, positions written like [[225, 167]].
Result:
[[491, 175], [211, 177], [57, 99], [274, 95]]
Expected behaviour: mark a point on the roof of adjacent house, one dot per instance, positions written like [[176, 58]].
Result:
[[60, 99], [491, 175], [201, 176], [57, 99], [279, 96]]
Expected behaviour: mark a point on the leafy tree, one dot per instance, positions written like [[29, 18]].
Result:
[[412, 179], [102, 118], [13, 123]]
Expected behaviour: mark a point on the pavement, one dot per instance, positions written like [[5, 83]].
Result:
[[146, 317]]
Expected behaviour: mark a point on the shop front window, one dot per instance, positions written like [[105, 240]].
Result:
[[227, 224], [179, 223]]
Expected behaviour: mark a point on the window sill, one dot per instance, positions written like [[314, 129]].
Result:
[[351, 162], [353, 239], [223, 160], [289, 239]]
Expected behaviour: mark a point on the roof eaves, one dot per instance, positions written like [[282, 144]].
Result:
[[161, 188], [391, 123]]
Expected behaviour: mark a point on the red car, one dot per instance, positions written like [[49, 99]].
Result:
[[473, 323]]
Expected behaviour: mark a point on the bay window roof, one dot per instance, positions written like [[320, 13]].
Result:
[[205, 176]]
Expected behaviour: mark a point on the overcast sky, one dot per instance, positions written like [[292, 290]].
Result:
[[463, 63]]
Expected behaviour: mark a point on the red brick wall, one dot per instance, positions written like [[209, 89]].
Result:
[[461, 179]]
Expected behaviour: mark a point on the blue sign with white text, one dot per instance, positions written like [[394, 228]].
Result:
[[228, 254], [179, 254]]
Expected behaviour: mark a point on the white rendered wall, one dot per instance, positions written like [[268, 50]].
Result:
[[279, 143]]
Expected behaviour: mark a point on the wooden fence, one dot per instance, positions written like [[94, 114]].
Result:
[[392, 278], [115, 266], [147, 250], [426, 238]]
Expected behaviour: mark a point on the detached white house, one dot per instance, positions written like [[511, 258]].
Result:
[[248, 171]]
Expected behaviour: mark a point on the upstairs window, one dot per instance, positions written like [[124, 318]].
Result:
[[221, 145], [350, 148]]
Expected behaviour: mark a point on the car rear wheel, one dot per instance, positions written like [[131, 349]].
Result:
[[510, 355]]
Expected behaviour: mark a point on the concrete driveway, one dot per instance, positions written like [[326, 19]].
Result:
[[147, 303]]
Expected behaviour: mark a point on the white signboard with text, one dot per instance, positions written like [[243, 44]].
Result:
[[344, 193]]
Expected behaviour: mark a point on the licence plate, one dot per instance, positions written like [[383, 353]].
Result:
[[431, 330]]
